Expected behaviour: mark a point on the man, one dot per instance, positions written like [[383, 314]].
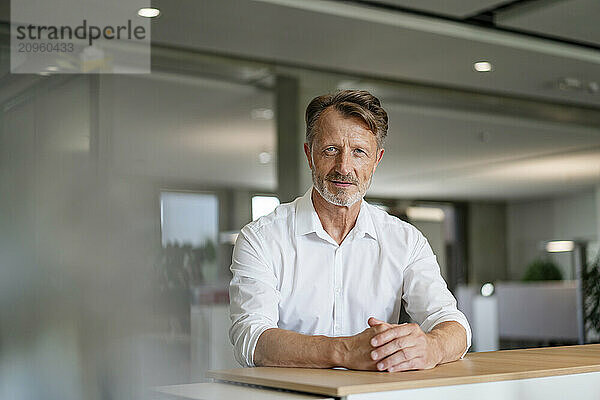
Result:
[[320, 281]]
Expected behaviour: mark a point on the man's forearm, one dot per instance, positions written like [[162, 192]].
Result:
[[451, 340], [282, 348]]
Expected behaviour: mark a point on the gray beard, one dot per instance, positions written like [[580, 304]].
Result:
[[339, 199]]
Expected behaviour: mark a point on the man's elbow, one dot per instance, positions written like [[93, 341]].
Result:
[[245, 338], [238, 336]]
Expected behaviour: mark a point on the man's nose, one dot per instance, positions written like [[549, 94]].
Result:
[[344, 163]]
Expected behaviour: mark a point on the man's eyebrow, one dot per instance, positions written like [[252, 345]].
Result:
[[361, 145], [328, 143]]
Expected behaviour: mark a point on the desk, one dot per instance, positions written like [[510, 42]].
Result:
[[540, 373]]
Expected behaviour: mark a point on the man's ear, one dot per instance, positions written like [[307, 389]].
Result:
[[379, 157], [308, 155]]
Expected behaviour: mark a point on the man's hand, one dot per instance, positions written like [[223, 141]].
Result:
[[356, 350], [402, 347]]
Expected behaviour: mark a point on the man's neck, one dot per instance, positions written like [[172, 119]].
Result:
[[337, 221]]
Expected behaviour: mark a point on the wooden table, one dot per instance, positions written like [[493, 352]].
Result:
[[540, 373]]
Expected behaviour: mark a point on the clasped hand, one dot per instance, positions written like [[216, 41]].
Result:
[[392, 347]]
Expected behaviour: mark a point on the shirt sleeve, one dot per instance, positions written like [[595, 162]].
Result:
[[425, 293], [253, 295]]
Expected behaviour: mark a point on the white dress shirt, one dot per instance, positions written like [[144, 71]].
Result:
[[289, 273]]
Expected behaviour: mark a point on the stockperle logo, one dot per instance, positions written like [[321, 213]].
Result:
[[79, 36]]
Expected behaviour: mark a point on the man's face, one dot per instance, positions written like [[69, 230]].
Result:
[[343, 158]]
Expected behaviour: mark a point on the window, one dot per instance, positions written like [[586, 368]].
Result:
[[263, 205], [189, 218]]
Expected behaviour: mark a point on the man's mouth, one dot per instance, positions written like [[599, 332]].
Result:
[[343, 184]]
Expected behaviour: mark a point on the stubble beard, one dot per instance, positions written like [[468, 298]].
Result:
[[340, 198]]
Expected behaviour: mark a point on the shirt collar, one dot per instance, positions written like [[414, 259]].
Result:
[[307, 220]]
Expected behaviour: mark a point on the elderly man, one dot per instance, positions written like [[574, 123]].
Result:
[[320, 281]]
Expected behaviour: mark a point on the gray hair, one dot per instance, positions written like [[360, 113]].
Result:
[[349, 103]]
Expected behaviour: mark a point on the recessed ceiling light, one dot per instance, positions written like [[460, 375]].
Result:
[[262, 114], [569, 83], [149, 12], [264, 157], [482, 66]]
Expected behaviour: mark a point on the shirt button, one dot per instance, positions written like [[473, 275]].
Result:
[[338, 290]]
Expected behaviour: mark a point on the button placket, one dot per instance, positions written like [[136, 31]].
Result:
[[337, 288]]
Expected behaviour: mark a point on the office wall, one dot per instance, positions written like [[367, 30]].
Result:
[[486, 237], [530, 223], [434, 232]]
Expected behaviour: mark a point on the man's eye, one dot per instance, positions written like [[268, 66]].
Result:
[[360, 152], [330, 149]]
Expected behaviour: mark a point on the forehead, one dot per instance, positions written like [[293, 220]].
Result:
[[334, 126]]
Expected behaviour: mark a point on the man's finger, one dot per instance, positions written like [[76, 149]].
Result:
[[376, 329], [372, 321], [393, 360], [401, 343], [405, 366], [391, 334]]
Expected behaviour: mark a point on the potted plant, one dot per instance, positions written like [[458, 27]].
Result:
[[542, 270]]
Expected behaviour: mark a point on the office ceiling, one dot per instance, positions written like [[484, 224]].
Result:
[[201, 130], [569, 20], [432, 152], [457, 9], [573, 20], [361, 39], [191, 131]]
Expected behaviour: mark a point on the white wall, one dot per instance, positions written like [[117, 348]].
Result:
[[530, 223]]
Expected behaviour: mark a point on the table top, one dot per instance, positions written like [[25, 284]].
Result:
[[205, 391], [474, 368]]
